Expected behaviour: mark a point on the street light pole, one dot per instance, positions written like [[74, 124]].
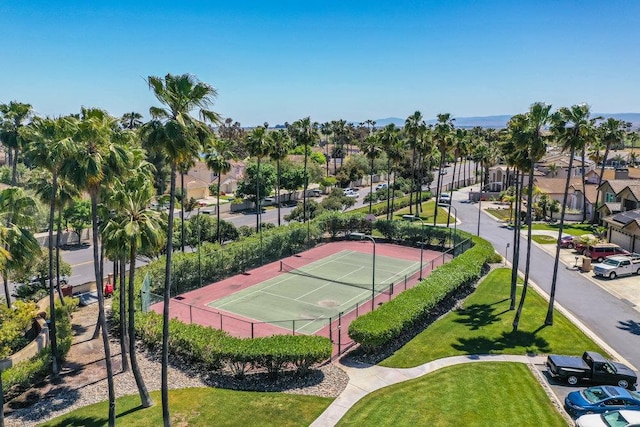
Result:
[[373, 278], [411, 218]]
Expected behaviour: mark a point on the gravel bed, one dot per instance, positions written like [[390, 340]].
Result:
[[326, 381]]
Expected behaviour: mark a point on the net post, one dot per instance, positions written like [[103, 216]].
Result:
[[405, 282], [339, 333], [280, 265]]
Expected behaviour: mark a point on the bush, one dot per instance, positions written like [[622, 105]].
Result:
[[375, 329], [24, 374]]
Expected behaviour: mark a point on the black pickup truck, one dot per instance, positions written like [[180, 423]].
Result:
[[592, 367]]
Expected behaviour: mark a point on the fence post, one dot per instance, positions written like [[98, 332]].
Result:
[[339, 333], [330, 331], [190, 314], [293, 327]]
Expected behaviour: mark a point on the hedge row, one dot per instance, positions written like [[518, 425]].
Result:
[[24, 374], [215, 349], [380, 208], [375, 329]]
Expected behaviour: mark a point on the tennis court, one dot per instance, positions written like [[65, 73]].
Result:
[[318, 290]]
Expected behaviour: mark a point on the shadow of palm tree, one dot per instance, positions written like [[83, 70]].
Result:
[[631, 326], [506, 341], [477, 315]]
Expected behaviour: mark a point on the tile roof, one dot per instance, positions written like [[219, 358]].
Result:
[[556, 185]]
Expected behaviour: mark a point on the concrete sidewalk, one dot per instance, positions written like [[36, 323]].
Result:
[[365, 379]]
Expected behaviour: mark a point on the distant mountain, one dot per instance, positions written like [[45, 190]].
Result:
[[497, 122]]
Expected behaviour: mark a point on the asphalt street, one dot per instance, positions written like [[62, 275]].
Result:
[[613, 320]]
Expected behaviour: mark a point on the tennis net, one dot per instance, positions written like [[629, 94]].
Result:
[[386, 288]]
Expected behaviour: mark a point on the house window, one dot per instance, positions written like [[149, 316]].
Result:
[[609, 197]]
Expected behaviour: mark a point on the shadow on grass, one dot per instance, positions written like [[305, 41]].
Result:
[[506, 341], [84, 421], [630, 326], [477, 315]]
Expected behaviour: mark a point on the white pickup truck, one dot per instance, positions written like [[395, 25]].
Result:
[[618, 265]]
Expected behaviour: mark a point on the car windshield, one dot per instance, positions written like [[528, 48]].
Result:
[[611, 262], [614, 419], [596, 394]]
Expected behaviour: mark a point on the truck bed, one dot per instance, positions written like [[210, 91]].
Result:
[[569, 362]]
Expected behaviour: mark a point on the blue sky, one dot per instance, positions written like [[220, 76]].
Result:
[[278, 61]]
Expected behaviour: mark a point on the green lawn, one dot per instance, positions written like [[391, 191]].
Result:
[[428, 209], [205, 407], [483, 326], [477, 394], [572, 229], [501, 214], [543, 239]]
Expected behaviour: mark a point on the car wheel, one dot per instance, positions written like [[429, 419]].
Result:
[[570, 246], [572, 380], [600, 259], [612, 275], [623, 383], [638, 272]]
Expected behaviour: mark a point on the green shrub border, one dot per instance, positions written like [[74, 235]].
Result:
[[24, 374], [376, 329]]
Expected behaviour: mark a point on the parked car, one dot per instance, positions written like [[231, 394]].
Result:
[[568, 242], [622, 418], [445, 198], [601, 399], [618, 265], [592, 367], [381, 186], [600, 251], [351, 192]]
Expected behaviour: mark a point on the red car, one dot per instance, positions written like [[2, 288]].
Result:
[[568, 242]]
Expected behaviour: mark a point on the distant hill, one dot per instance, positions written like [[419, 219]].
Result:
[[498, 122]]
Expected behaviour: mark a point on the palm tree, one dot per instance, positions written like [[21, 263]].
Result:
[[131, 120], [179, 136], [280, 143], [96, 160], [50, 148], [217, 156], [527, 134], [257, 143], [15, 114], [393, 146], [414, 127], [610, 132], [304, 134], [573, 129], [141, 230], [371, 149], [443, 136]]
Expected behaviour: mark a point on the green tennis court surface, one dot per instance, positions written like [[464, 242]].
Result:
[[293, 295]]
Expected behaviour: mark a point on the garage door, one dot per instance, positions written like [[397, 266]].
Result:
[[622, 239]]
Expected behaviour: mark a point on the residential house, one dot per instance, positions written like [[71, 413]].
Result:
[[623, 222], [556, 165]]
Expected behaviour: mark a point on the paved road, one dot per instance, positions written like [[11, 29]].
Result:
[[613, 320]]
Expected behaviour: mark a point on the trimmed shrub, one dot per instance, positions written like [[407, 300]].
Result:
[[375, 329]]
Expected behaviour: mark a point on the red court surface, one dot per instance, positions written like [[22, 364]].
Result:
[[192, 307]]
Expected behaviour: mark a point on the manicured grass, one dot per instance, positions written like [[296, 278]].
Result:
[[543, 239], [483, 326], [501, 214], [205, 407], [572, 229], [428, 209], [477, 394]]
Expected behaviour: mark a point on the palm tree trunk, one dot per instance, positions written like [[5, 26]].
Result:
[[218, 210], [52, 306], [413, 179], [519, 183], [182, 200], [145, 398], [124, 341], [516, 320], [604, 160], [439, 183], [371, 187], [101, 317], [306, 185], [58, 237], [14, 168], [584, 184], [278, 186], [258, 208], [554, 280], [165, 311], [388, 188]]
